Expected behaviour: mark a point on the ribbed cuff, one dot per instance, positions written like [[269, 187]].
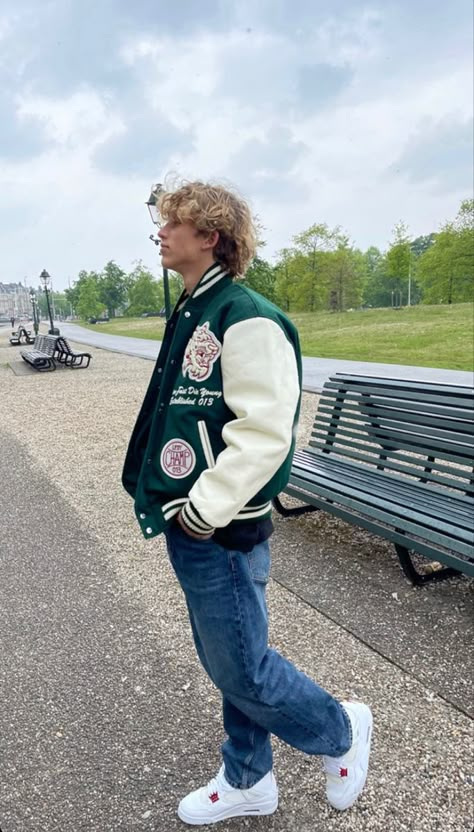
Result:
[[194, 522]]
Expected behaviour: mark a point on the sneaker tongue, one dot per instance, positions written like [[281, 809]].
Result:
[[218, 784], [221, 782]]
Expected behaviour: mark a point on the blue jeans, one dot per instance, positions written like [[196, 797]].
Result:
[[262, 692]]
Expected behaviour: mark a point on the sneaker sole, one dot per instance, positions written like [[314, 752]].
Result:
[[367, 722], [267, 807]]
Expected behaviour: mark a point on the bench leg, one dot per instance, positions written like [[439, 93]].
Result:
[[292, 512], [419, 578]]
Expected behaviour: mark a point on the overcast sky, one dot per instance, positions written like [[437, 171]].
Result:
[[340, 111]]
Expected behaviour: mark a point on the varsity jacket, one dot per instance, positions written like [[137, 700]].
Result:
[[215, 435]]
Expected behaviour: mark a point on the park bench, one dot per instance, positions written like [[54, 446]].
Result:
[[395, 457], [65, 355], [20, 334], [41, 357]]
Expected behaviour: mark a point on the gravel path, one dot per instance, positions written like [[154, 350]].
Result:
[[68, 431]]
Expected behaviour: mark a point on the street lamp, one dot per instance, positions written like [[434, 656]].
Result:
[[46, 281], [34, 304], [152, 201]]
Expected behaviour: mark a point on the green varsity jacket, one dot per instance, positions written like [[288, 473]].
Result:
[[215, 435]]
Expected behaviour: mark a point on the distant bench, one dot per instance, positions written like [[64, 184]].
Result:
[[395, 457], [21, 335], [50, 348]]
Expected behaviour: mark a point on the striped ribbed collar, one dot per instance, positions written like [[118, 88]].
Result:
[[210, 277]]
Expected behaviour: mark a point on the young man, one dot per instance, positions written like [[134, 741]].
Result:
[[211, 447]]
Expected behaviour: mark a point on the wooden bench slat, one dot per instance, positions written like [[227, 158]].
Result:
[[425, 438], [451, 420], [446, 428], [396, 385], [428, 492], [434, 501], [439, 394], [393, 465], [345, 444], [389, 512], [451, 409], [383, 446]]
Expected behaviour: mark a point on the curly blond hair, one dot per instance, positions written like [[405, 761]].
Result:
[[215, 208]]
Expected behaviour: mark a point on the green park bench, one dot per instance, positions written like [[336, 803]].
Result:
[[396, 457]]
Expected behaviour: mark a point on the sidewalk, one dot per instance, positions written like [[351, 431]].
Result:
[[315, 370], [107, 718]]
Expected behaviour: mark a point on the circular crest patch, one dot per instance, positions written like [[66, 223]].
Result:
[[177, 459]]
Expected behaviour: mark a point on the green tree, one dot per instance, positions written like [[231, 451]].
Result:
[[286, 279], [445, 270], [421, 244], [261, 277], [112, 288], [313, 245], [73, 292], [376, 291], [464, 227], [398, 265], [144, 293], [345, 269], [89, 304]]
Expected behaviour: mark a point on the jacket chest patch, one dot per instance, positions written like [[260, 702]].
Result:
[[202, 351], [177, 459]]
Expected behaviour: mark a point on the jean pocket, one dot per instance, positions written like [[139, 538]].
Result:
[[259, 563]]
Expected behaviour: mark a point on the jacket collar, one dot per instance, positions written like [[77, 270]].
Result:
[[210, 278]]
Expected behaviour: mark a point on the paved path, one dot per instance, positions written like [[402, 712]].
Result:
[[315, 370]]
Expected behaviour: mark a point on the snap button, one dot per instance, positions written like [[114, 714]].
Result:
[[142, 516], [187, 314], [160, 369], [148, 462], [149, 530]]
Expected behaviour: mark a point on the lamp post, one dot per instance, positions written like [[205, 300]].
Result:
[[46, 281], [156, 191], [34, 304]]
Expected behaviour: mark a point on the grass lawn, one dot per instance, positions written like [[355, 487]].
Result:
[[424, 336]]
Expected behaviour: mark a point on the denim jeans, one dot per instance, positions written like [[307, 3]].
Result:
[[262, 692]]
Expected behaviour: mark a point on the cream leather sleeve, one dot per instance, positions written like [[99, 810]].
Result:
[[260, 385]]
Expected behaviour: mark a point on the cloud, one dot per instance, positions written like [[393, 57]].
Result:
[[319, 84], [17, 139], [143, 148], [80, 120], [440, 154]]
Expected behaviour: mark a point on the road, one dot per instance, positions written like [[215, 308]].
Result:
[[315, 370]]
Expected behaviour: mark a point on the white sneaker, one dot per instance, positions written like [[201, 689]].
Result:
[[219, 800], [346, 775]]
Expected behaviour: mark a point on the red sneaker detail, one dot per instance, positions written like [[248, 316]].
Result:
[[343, 772], [214, 797]]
